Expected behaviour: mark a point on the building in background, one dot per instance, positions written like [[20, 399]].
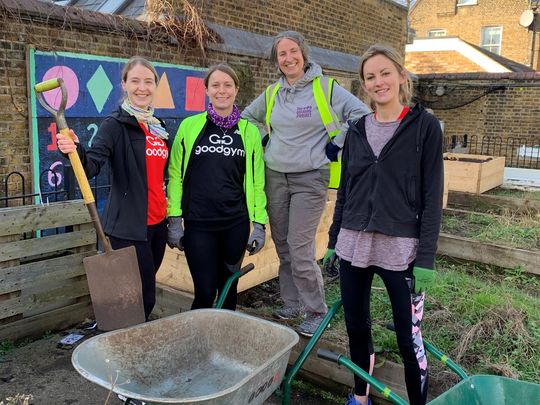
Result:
[[508, 28]]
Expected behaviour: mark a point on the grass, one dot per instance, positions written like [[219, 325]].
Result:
[[485, 320], [316, 392], [515, 193], [7, 346], [515, 231]]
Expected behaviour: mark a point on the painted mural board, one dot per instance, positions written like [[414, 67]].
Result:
[[94, 91]]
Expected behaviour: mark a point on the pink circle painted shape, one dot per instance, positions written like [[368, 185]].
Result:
[[53, 97]]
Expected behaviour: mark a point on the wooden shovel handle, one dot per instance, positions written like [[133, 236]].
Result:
[[87, 194]]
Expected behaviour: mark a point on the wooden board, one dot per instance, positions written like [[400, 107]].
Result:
[[488, 253], [59, 319], [170, 301], [174, 270], [49, 244], [473, 177], [495, 202], [70, 289], [32, 274], [29, 218]]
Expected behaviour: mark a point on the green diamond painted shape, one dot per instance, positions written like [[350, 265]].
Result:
[[99, 86]]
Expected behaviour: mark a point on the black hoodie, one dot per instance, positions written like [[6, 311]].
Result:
[[121, 142], [398, 193]]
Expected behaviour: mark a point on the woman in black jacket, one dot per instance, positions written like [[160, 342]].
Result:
[[136, 145], [387, 216]]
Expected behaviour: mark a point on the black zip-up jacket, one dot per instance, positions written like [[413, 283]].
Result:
[[121, 142], [400, 192]]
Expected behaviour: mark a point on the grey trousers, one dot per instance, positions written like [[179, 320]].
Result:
[[295, 202]]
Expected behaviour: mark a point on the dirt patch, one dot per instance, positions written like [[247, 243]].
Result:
[[43, 372]]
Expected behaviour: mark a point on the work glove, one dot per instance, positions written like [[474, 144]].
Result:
[[329, 257], [423, 278], [332, 151], [175, 233], [256, 239], [331, 264]]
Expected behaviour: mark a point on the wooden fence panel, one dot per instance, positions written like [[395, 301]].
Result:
[[42, 279]]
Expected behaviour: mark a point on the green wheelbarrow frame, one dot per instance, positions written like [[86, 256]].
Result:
[[471, 390]]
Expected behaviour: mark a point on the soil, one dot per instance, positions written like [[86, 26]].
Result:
[[44, 370], [468, 160]]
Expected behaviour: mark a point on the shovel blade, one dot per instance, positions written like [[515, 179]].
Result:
[[115, 288]]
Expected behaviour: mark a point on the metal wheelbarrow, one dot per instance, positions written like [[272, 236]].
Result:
[[204, 356]]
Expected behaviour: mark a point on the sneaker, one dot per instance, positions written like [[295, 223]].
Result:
[[351, 400], [131, 401], [310, 325], [287, 312]]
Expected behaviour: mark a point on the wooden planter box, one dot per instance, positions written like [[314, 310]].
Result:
[[473, 173], [174, 271]]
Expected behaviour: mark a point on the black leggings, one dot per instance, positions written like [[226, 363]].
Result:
[[207, 253], [355, 294], [149, 255]]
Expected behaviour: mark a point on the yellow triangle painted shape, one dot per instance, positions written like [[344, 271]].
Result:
[[163, 97]]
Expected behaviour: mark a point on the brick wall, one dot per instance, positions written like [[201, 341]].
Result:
[[85, 33], [344, 25], [466, 22], [444, 61], [510, 109]]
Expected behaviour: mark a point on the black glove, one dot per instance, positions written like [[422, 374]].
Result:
[[332, 151]]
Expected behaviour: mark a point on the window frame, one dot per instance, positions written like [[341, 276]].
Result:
[[467, 3], [483, 46], [443, 30]]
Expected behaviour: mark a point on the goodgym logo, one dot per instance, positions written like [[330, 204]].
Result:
[[220, 145]]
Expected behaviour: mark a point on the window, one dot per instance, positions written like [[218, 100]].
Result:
[[436, 33], [491, 39], [467, 2]]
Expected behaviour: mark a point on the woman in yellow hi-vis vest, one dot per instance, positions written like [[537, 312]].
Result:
[[301, 116]]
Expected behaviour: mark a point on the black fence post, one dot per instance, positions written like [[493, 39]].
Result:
[[69, 182]]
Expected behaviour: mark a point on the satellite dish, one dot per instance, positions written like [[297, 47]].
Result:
[[527, 18]]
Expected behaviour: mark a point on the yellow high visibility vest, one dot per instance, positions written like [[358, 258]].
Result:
[[322, 92]]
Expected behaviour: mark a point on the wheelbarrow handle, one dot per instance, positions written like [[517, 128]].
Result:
[[232, 278], [246, 269], [329, 355], [344, 361]]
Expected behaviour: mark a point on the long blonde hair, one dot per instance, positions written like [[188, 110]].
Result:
[[405, 89]]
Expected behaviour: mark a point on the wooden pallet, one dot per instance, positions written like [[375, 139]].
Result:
[[42, 279]]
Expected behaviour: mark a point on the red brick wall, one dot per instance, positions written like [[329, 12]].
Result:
[[343, 25], [466, 22], [323, 23], [511, 112]]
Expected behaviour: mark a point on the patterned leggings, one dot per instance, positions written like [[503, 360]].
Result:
[[407, 312]]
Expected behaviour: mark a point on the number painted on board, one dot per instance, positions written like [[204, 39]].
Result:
[[93, 128], [54, 176], [52, 131]]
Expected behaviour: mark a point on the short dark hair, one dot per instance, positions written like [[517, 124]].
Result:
[[222, 67]]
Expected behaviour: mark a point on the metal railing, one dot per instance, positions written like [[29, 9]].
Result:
[[519, 152]]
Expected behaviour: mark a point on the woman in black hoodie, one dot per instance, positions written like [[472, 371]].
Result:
[[387, 216], [136, 145]]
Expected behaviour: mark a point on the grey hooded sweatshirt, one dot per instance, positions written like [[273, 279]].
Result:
[[298, 138]]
